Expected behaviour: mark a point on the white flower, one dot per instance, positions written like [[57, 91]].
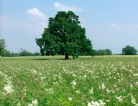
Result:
[[91, 90], [120, 62], [73, 83], [119, 98], [8, 88], [85, 76], [34, 102], [108, 91], [29, 105], [34, 71], [99, 103], [95, 104], [133, 100], [135, 74], [18, 104], [74, 75], [89, 104], [70, 99], [78, 92], [102, 86], [136, 84], [49, 90], [131, 86], [107, 100]]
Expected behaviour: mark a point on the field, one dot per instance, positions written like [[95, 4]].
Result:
[[52, 81]]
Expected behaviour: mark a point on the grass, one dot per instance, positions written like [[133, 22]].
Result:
[[52, 81]]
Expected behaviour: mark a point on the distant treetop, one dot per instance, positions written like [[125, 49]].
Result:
[[129, 50]]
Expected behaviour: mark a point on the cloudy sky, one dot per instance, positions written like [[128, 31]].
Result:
[[111, 24]]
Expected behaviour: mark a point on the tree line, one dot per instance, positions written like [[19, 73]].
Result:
[[128, 50], [5, 53], [103, 52], [64, 36]]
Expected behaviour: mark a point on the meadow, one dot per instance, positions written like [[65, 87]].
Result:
[[53, 81]]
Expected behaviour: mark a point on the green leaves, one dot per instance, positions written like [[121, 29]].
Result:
[[2, 46], [129, 50], [64, 35]]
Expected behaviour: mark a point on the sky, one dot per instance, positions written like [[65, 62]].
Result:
[[111, 24]]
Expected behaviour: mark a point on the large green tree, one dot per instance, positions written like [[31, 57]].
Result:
[[129, 50], [64, 36]]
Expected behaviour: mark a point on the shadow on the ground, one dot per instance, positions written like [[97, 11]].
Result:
[[49, 59]]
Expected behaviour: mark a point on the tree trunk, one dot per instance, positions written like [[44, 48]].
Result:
[[66, 56]]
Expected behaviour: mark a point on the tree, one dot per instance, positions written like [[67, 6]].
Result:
[[64, 36], [25, 53], [108, 52], [2, 47], [129, 50], [103, 52], [7, 53]]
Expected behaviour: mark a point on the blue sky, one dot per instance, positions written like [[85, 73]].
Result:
[[111, 24]]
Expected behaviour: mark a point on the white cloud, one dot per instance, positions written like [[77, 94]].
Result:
[[38, 17], [20, 29], [116, 26], [62, 7], [36, 13]]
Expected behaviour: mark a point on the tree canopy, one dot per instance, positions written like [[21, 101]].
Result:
[[64, 36], [2, 47], [129, 50]]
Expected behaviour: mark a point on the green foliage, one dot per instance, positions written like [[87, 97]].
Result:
[[7, 53], [3, 51], [64, 36], [51, 81], [26, 53], [129, 50], [103, 52], [2, 47]]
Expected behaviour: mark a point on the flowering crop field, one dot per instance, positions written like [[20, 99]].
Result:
[[52, 81]]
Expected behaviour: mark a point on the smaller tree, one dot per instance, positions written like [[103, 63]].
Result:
[[2, 47], [25, 53], [108, 52], [7, 53], [129, 50]]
